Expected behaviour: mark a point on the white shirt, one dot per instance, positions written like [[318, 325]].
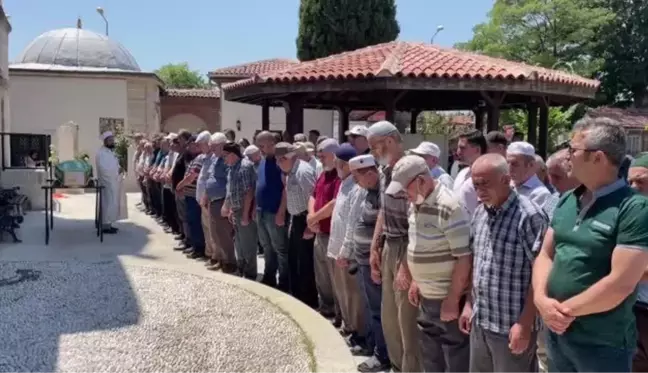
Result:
[[463, 188], [438, 173], [535, 190], [340, 217], [317, 166]]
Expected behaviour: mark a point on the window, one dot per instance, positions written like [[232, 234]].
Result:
[[634, 143], [28, 150]]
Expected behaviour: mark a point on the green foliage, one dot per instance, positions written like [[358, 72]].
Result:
[[82, 156], [53, 155], [548, 33], [122, 143], [433, 123], [333, 26], [180, 76], [623, 44]]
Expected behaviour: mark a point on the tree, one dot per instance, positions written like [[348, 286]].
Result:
[[328, 27], [180, 76], [548, 33], [624, 47]]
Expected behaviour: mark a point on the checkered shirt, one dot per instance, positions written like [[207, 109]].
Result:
[[300, 183], [240, 179], [504, 242], [551, 203]]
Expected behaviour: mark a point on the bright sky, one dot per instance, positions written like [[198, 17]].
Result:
[[209, 34]]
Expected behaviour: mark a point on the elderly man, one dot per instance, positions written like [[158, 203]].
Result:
[[299, 137], [206, 160], [312, 159], [497, 142], [300, 182], [439, 258], [388, 255], [559, 172], [520, 156], [593, 256], [271, 214], [345, 213], [253, 153], [108, 174], [469, 148], [140, 170], [430, 152], [320, 208], [219, 230], [177, 174], [506, 234], [168, 200], [188, 187], [358, 138], [541, 173], [241, 179], [366, 174], [638, 179], [153, 186]]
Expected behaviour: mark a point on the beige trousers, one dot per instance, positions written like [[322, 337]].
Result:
[[347, 294], [205, 216], [398, 315]]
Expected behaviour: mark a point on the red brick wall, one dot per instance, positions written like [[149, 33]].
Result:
[[208, 109]]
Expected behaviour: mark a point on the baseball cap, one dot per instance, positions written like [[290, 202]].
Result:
[[521, 148], [345, 152], [283, 149], [382, 128], [362, 161], [358, 130], [171, 136], [309, 146], [328, 146], [405, 170], [427, 148], [218, 138]]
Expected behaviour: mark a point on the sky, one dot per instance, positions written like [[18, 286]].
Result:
[[210, 34]]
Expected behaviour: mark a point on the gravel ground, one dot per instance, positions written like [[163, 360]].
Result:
[[102, 317]]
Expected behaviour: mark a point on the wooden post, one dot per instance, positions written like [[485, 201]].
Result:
[[343, 122], [543, 135], [493, 102], [493, 118], [532, 124], [479, 118], [265, 116], [413, 120], [294, 116]]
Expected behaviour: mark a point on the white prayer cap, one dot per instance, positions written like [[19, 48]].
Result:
[[520, 148], [362, 161], [427, 148], [382, 128], [252, 149], [203, 137], [106, 135], [218, 138], [358, 130], [171, 136]]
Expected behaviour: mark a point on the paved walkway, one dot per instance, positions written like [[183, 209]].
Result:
[[133, 304]]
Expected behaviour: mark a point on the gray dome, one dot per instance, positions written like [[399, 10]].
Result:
[[77, 48]]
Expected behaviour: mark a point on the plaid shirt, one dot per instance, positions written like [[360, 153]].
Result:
[[300, 183], [505, 243], [240, 179], [551, 203]]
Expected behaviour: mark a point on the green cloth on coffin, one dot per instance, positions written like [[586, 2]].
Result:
[[72, 166]]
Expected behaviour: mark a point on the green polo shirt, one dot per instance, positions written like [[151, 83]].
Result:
[[585, 238]]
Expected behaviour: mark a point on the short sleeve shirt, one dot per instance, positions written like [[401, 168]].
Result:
[[584, 239], [326, 188], [241, 178]]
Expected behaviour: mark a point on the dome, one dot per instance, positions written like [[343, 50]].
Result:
[[76, 48]]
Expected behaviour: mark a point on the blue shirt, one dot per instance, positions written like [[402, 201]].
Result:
[[217, 180], [269, 187], [201, 183]]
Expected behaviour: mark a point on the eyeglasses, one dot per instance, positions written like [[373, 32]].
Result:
[[571, 150]]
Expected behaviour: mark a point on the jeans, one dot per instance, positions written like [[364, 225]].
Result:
[[245, 243], [275, 253], [568, 356], [372, 296], [193, 215], [301, 263]]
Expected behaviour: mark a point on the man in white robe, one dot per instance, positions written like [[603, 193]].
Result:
[[108, 174]]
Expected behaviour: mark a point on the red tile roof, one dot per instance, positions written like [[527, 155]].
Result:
[[461, 120], [253, 68], [628, 118], [416, 60], [196, 93]]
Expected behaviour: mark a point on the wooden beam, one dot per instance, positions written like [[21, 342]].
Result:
[[265, 116], [493, 102], [543, 133], [479, 117], [413, 120], [343, 122]]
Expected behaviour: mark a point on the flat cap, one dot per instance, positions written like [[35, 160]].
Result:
[[521, 148], [283, 149], [359, 130], [252, 149], [328, 146]]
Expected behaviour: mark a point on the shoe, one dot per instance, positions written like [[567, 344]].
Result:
[[345, 333], [373, 365], [211, 262], [326, 313], [188, 251], [337, 323], [195, 255], [358, 350], [214, 267], [229, 269], [109, 230], [202, 259], [181, 247]]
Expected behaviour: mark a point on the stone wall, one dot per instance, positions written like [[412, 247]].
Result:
[[205, 108]]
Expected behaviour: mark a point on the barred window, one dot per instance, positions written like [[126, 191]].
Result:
[[28, 150]]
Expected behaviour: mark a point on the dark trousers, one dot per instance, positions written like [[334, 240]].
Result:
[[169, 209], [140, 183], [300, 262], [566, 356], [640, 361], [156, 198], [444, 348], [194, 221], [372, 297]]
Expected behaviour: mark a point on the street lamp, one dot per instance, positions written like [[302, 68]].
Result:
[[438, 30], [103, 15]]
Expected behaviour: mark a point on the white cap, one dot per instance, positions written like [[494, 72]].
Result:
[[106, 135], [362, 161], [382, 128], [359, 130], [218, 138], [171, 136], [252, 149], [204, 136], [520, 148], [427, 148]]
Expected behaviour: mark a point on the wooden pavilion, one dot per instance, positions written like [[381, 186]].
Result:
[[414, 77]]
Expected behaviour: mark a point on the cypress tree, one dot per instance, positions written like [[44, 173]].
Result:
[[333, 26]]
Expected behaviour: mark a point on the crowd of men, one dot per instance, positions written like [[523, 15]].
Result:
[[508, 263]]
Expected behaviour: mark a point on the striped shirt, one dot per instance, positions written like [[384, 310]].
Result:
[[395, 209], [365, 225], [439, 233], [194, 167], [240, 179], [504, 242], [300, 183], [357, 196], [340, 217]]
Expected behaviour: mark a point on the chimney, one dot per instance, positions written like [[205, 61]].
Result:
[[79, 25]]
